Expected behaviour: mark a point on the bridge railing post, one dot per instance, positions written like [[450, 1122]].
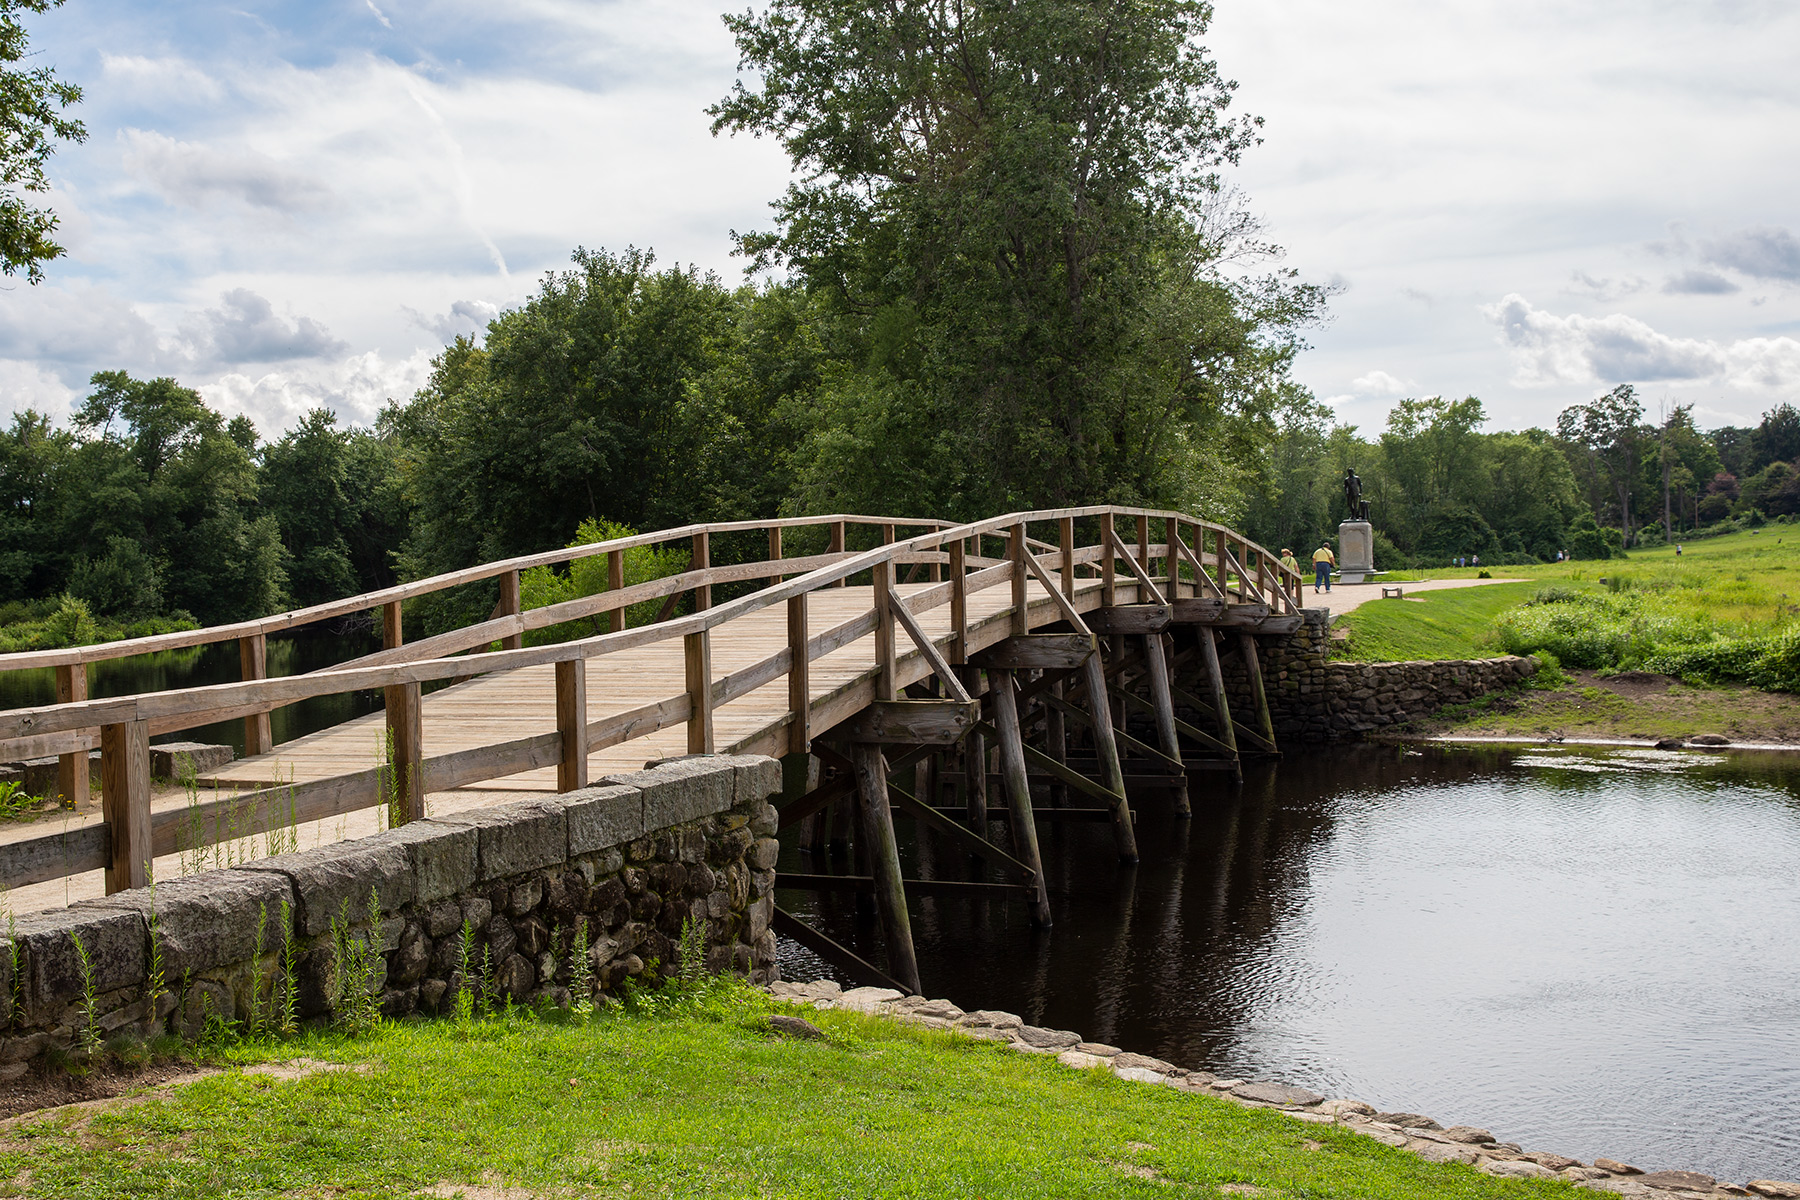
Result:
[[393, 634], [799, 677], [509, 607], [882, 574], [615, 580], [1143, 554], [1015, 550], [1109, 585], [72, 781], [253, 661], [571, 722], [702, 559], [125, 802], [774, 554], [697, 657], [837, 546], [405, 736], [959, 603], [1065, 530]]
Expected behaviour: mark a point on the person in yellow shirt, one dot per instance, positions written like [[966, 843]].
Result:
[[1289, 561], [1323, 561]]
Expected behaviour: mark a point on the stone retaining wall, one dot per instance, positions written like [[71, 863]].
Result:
[[632, 859], [1313, 699]]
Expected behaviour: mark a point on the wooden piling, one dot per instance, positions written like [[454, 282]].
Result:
[[1215, 679], [1164, 703], [1107, 747], [1258, 695], [884, 862], [799, 678], [1056, 740], [1018, 789]]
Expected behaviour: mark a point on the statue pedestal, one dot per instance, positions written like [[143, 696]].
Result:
[[1356, 551]]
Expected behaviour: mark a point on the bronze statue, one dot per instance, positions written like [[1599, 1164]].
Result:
[[1353, 501]]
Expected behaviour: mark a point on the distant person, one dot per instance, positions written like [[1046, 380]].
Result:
[[1475, 560], [1323, 561], [1677, 549], [1289, 561]]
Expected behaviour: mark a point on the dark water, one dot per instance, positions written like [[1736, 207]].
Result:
[[1591, 952], [201, 665]]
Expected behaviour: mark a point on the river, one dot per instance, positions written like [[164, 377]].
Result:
[[1587, 951]]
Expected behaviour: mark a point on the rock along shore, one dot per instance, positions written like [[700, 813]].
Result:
[[1408, 1131]]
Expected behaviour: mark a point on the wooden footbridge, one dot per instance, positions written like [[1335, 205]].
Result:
[[962, 677]]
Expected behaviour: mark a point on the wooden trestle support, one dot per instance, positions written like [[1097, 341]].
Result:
[[1045, 702]]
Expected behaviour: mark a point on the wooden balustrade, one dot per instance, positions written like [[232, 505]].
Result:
[[132, 836]]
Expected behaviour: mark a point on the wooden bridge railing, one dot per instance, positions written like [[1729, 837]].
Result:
[[1193, 558]]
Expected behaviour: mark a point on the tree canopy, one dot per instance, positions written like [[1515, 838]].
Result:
[[32, 122]]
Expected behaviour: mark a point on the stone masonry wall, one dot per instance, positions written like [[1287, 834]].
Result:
[[1315, 700], [633, 858]]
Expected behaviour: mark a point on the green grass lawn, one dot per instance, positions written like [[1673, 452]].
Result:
[[1457, 623], [1742, 585], [697, 1099]]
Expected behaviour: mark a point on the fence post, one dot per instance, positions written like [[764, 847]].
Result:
[[959, 604], [509, 607], [799, 678], [1021, 623], [1143, 554], [1109, 569], [882, 574], [571, 722], [702, 560], [125, 802], [72, 769], [697, 651], [615, 580], [774, 552], [837, 546], [392, 635], [253, 659], [401, 701], [1172, 559]]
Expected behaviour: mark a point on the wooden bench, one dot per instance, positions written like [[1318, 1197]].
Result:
[[1393, 593]]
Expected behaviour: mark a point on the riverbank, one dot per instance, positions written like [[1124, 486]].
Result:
[[697, 1091], [1627, 706]]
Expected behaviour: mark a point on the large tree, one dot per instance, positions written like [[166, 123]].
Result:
[[1605, 441], [32, 122], [1017, 211]]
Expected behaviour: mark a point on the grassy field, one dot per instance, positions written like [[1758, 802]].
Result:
[[1742, 585], [696, 1099]]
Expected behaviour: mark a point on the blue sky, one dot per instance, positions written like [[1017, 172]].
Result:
[[293, 205]]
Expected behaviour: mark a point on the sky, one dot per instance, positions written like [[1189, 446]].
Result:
[[296, 205]]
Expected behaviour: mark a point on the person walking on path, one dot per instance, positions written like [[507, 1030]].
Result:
[[1323, 561], [1289, 561]]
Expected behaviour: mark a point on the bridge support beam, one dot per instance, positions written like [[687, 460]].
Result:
[[1164, 704], [1018, 789], [884, 862]]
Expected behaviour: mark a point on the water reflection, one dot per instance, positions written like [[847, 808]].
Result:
[[198, 666], [1585, 951]]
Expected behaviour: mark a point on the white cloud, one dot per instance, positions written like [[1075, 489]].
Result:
[[1765, 253], [1548, 349], [245, 329], [1699, 283], [356, 388], [191, 174], [77, 323], [465, 317], [1604, 289], [160, 80], [1379, 383]]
